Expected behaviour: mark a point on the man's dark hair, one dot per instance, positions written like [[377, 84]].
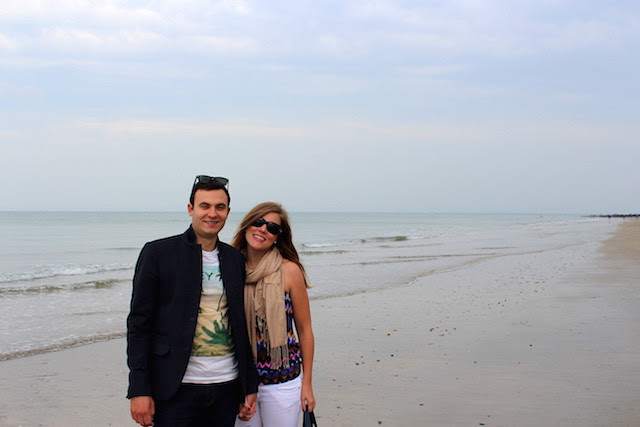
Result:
[[212, 185]]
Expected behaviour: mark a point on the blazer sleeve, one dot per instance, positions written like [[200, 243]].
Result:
[[140, 322], [234, 269]]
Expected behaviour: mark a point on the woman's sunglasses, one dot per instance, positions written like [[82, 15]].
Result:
[[272, 227]]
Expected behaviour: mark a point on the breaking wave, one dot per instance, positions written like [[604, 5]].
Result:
[[53, 270]]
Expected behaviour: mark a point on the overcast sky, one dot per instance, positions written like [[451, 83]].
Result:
[[430, 106]]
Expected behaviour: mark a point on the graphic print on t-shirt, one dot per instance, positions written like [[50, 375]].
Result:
[[212, 337]]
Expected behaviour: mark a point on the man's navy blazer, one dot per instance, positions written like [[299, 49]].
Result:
[[167, 286]]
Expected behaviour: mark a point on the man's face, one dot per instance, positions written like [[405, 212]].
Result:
[[209, 213]]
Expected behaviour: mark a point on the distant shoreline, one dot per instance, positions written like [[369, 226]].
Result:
[[615, 216]]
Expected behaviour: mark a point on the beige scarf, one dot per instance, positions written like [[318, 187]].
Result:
[[264, 308]]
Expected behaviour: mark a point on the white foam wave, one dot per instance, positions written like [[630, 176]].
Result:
[[52, 270], [320, 245]]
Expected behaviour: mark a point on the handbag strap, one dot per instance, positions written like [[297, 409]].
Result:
[[309, 419]]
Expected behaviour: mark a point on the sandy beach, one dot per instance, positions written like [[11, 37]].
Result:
[[527, 339]]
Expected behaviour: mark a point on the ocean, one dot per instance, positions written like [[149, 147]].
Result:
[[65, 277]]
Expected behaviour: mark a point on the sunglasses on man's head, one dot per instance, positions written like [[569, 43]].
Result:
[[272, 227], [205, 179]]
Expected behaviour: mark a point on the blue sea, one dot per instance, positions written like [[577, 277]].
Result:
[[65, 277]]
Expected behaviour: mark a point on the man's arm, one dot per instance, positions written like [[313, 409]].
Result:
[[140, 322]]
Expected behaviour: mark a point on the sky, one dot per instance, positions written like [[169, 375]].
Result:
[[494, 106]]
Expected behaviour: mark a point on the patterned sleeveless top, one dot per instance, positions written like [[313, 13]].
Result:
[[276, 376]]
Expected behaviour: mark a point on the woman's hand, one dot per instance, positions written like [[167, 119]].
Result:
[[307, 398], [248, 409]]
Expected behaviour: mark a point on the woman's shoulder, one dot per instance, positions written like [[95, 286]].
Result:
[[289, 266], [292, 273]]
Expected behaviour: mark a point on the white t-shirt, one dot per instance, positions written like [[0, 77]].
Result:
[[212, 355]]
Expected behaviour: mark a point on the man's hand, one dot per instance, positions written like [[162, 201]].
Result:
[[142, 410], [248, 409]]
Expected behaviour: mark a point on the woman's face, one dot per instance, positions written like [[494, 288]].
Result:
[[259, 238]]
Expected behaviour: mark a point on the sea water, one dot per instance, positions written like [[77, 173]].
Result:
[[65, 277]]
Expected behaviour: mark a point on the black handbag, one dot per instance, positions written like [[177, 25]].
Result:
[[309, 419]]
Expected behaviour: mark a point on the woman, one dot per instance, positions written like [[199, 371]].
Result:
[[275, 298]]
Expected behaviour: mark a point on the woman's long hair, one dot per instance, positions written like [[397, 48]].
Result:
[[285, 240]]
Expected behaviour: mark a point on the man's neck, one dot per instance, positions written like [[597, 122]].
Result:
[[208, 245]]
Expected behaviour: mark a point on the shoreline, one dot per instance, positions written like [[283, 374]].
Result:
[[505, 342], [61, 346], [528, 339], [86, 292]]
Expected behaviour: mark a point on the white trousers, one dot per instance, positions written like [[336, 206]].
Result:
[[278, 405]]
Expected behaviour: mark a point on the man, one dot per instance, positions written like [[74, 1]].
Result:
[[190, 363]]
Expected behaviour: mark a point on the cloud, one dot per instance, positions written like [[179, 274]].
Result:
[[93, 13], [122, 26], [403, 32], [8, 44], [404, 136], [230, 45], [500, 28], [485, 94], [71, 40]]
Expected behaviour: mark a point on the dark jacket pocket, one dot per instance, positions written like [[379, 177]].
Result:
[[160, 347]]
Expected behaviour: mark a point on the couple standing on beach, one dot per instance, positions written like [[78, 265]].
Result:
[[210, 337]]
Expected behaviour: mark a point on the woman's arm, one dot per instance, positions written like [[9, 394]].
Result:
[[294, 284]]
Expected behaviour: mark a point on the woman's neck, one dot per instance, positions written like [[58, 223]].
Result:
[[254, 257]]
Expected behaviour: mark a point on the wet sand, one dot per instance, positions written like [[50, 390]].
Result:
[[538, 338]]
